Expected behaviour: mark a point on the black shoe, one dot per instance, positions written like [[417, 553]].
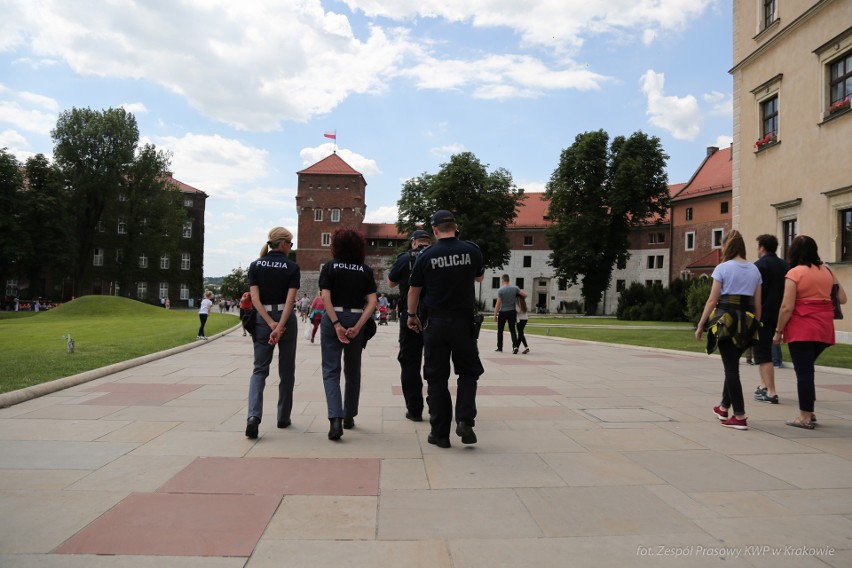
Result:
[[284, 423], [760, 390], [498, 350], [763, 397], [336, 430], [251, 427], [437, 441], [414, 417], [468, 436], [348, 423], [515, 351]]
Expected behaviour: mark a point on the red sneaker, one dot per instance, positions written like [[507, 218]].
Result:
[[720, 414], [734, 422]]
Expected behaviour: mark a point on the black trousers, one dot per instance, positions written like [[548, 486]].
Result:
[[410, 359], [732, 391], [446, 340], [804, 355], [510, 316]]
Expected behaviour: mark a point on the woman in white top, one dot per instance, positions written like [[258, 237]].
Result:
[[523, 317], [732, 315], [204, 311]]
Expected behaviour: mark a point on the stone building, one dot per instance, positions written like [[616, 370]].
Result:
[[792, 174]]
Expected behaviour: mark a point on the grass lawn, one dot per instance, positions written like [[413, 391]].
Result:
[[106, 330], [839, 355]]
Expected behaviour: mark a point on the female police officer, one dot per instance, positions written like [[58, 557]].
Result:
[[348, 291], [274, 280]]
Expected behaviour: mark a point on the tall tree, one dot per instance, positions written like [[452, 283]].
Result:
[[12, 248], [235, 283], [484, 203], [94, 150], [151, 208], [597, 194], [48, 224]]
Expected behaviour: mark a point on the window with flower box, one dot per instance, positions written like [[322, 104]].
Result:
[[769, 120], [840, 84], [846, 235]]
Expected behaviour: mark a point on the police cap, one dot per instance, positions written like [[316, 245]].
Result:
[[442, 216], [419, 234]]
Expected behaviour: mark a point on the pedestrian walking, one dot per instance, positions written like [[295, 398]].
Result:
[[443, 279], [273, 280]]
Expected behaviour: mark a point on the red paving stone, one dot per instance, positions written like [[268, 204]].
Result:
[[499, 391], [841, 388], [134, 394], [168, 524], [282, 476]]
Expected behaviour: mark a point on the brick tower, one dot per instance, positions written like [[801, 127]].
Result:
[[330, 195]]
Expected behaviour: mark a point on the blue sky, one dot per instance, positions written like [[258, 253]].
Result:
[[241, 93]]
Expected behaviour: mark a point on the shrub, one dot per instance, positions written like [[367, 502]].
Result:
[[696, 298], [653, 303]]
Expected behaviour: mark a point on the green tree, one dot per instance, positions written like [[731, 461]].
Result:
[[235, 283], [12, 247], [151, 208], [484, 203], [94, 150], [597, 194], [47, 226]]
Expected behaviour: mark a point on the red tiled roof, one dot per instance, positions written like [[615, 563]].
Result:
[[333, 164], [382, 231], [531, 212], [709, 260], [714, 175], [183, 187]]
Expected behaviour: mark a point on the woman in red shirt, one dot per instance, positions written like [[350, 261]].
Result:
[[806, 320]]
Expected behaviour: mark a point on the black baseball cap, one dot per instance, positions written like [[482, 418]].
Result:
[[442, 216], [419, 234]]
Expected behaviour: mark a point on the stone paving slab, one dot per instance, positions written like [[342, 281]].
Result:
[[588, 455]]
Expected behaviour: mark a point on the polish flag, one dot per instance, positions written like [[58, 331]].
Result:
[[332, 135]]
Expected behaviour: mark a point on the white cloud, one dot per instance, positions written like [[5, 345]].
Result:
[[135, 108], [723, 141], [258, 64], [532, 186], [384, 214], [16, 145], [448, 150], [721, 104], [28, 111], [214, 164], [361, 164], [680, 116]]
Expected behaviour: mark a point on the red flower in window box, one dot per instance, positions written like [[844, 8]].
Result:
[[761, 142], [839, 105]]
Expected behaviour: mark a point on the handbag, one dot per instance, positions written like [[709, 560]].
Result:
[[249, 321], [838, 313]]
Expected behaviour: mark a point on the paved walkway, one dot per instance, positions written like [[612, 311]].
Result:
[[588, 455]]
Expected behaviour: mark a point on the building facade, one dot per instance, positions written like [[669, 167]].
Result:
[[701, 217], [792, 78]]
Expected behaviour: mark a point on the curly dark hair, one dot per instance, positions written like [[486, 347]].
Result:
[[348, 245], [803, 250]]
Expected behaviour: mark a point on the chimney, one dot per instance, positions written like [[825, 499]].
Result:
[[711, 150]]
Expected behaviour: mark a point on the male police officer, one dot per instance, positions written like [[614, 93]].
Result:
[[410, 343], [444, 275]]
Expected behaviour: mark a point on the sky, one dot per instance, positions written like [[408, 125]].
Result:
[[241, 93]]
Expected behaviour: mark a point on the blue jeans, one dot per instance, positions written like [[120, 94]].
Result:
[[286, 366], [332, 349]]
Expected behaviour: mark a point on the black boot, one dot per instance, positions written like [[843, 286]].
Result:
[[336, 430]]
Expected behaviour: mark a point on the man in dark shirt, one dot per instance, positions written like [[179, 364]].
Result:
[[410, 343], [442, 279], [773, 271]]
